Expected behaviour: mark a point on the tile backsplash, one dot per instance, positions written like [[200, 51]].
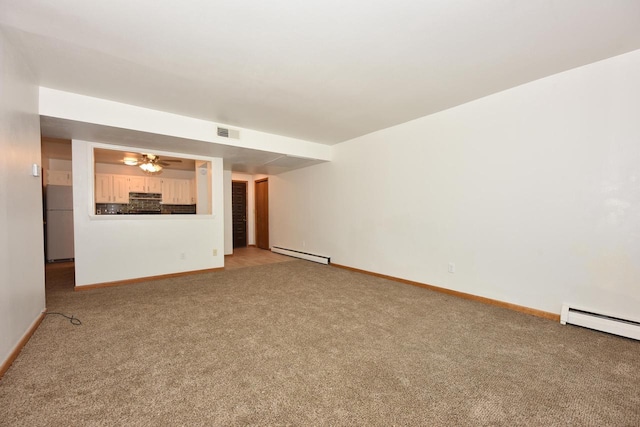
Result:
[[144, 202], [111, 208], [125, 209], [178, 209]]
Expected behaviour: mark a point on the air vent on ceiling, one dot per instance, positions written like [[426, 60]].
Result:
[[228, 133]]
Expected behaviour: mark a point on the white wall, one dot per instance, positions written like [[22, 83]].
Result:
[[112, 248], [22, 296], [533, 192], [228, 223]]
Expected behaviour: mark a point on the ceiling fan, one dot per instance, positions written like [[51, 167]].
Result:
[[150, 163], [155, 160]]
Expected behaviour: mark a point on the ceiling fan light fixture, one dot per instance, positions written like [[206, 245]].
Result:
[[151, 168], [130, 161]]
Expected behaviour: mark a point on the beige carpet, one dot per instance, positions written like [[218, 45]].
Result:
[[298, 343]]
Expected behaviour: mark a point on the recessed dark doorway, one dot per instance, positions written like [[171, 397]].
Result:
[[239, 213]]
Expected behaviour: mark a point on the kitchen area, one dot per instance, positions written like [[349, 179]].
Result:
[[143, 203], [125, 183], [128, 183]]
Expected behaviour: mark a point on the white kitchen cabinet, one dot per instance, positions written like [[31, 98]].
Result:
[[168, 191], [104, 188], [112, 188], [137, 184], [154, 185], [183, 192], [59, 177], [145, 184], [120, 189], [176, 192]]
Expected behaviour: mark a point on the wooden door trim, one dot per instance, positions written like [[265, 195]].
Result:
[[256, 223], [4, 366]]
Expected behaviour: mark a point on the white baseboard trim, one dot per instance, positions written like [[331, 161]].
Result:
[[303, 255]]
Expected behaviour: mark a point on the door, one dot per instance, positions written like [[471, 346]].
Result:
[[262, 214], [239, 213]]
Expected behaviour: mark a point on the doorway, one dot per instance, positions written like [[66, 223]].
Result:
[[239, 213], [262, 213]]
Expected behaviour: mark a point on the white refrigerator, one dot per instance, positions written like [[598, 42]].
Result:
[[59, 205]]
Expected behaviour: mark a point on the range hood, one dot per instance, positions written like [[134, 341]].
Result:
[[145, 196]]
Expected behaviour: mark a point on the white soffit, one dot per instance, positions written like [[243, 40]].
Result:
[[67, 116], [316, 71], [235, 158]]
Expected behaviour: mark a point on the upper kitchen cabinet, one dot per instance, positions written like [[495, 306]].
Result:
[[120, 189], [138, 184], [145, 184], [177, 192], [154, 184], [104, 188], [112, 188], [59, 177]]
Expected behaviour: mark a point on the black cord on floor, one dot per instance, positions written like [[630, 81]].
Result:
[[74, 320]]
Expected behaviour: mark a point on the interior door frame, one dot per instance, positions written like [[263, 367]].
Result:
[[258, 222]]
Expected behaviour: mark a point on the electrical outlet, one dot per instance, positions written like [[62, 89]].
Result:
[[452, 267], [183, 255], [215, 252]]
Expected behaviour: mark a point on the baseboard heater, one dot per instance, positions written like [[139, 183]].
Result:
[[599, 321], [299, 254]]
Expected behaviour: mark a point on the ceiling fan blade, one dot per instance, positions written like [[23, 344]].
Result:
[[163, 163], [175, 161]]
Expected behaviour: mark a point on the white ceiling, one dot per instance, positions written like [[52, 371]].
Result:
[[324, 71]]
